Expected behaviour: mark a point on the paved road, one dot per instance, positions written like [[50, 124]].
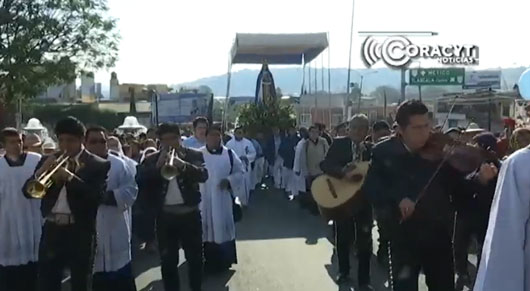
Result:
[[280, 247]]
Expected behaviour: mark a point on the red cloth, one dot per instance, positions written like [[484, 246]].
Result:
[[509, 122], [502, 146]]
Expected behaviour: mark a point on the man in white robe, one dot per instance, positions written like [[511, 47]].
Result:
[[225, 172], [20, 218], [113, 255], [505, 263], [247, 154], [300, 166]]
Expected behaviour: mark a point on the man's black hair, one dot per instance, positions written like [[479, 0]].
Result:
[[96, 128], [407, 109], [320, 126], [167, 128], [8, 132], [200, 119], [313, 127], [380, 125], [70, 125]]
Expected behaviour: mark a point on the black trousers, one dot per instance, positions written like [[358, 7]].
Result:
[[468, 225], [358, 230], [18, 278], [120, 280], [63, 247], [176, 231], [416, 247]]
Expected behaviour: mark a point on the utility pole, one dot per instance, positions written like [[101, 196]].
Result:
[[360, 95], [349, 63], [403, 85]]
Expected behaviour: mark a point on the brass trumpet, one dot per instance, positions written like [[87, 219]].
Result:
[[169, 171], [37, 188]]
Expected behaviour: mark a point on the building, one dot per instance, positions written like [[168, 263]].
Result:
[[59, 93], [488, 109], [88, 88], [98, 93], [114, 93], [141, 92], [331, 109]]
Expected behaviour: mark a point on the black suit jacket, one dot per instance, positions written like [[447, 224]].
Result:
[[149, 178], [84, 197], [395, 174], [340, 154]]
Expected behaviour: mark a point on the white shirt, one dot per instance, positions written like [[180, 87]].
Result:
[[113, 223], [173, 196], [61, 205]]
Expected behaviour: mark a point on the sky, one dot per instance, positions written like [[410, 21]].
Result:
[[176, 41]]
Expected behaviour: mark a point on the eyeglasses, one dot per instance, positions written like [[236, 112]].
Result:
[[96, 141]]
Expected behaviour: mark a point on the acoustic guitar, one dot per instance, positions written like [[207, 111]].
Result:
[[336, 198]]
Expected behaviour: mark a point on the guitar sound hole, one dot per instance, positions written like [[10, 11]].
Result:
[[332, 189]]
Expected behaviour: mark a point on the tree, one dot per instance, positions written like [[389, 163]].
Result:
[[262, 117], [44, 42], [392, 94]]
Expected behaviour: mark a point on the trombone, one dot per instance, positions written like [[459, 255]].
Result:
[[169, 171], [37, 188]]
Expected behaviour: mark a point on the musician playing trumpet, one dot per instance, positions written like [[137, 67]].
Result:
[[171, 177], [340, 162], [69, 202]]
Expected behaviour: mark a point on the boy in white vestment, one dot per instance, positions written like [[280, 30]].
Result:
[[113, 255], [218, 229], [246, 153], [20, 218]]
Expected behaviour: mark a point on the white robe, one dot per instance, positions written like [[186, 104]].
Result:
[[216, 206], [276, 169], [505, 263], [113, 223], [244, 148], [20, 218], [300, 166]]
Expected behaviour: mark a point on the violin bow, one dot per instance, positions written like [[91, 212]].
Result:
[[439, 167]]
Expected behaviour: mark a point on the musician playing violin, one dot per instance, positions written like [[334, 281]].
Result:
[[339, 162], [412, 194]]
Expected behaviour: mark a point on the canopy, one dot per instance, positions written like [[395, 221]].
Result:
[[277, 49]]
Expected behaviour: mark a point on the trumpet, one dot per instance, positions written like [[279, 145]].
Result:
[[37, 188], [169, 171]]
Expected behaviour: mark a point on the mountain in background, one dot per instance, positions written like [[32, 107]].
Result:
[[243, 82]]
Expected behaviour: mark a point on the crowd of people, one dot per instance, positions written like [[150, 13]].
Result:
[[85, 203]]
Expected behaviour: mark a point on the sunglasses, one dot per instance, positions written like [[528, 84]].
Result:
[[96, 141]]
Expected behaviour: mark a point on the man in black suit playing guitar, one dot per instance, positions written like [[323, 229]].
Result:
[[69, 208], [339, 161]]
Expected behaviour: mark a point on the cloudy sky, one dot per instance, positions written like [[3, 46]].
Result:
[[174, 41]]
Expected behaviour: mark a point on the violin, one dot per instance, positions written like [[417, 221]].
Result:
[[462, 156]]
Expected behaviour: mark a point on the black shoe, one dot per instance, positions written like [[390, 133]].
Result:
[[343, 278], [366, 287]]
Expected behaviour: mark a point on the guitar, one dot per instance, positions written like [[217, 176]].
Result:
[[336, 198]]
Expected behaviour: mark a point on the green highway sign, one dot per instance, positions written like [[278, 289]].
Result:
[[437, 76]]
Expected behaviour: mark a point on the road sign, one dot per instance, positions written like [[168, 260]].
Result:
[[483, 79], [437, 76]]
